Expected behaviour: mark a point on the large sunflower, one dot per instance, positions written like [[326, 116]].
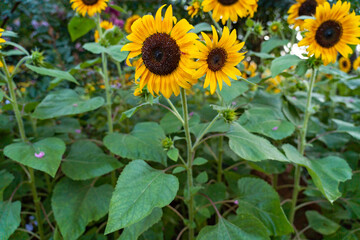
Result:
[[302, 8], [345, 64], [331, 31], [165, 64], [218, 59], [225, 9], [91, 7], [129, 22]]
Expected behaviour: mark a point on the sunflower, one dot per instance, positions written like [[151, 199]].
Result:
[[1, 40], [249, 69], [193, 9], [106, 25], [225, 9], [345, 64], [165, 62], [218, 59], [129, 22], [331, 32], [356, 63], [302, 8], [91, 7]]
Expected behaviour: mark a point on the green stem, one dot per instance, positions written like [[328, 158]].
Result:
[[333, 90], [204, 132], [215, 23], [177, 114], [120, 74], [20, 123], [220, 156], [189, 164], [247, 34], [302, 146], [229, 24]]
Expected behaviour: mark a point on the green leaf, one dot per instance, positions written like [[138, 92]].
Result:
[[129, 113], [117, 8], [251, 147], [348, 128], [199, 161], [138, 191], [79, 26], [5, 179], [144, 142], [116, 53], [269, 45], [202, 177], [94, 48], [173, 154], [17, 46], [229, 93], [134, 231], [261, 55], [86, 160], [77, 203], [201, 27], [244, 227], [320, 223], [170, 123], [24, 153], [53, 73], [282, 63], [9, 218], [258, 198], [326, 173], [65, 102]]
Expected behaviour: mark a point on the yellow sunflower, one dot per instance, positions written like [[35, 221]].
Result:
[[193, 9], [225, 9], [218, 59], [1, 40], [356, 63], [91, 7], [331, 32], [165, 62], [302, 8], [129, 22], [106, 25], [345, 64]]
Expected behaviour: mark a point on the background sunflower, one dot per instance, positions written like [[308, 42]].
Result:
[[345, 64], [302, 8], [129, 22], [90, 7]]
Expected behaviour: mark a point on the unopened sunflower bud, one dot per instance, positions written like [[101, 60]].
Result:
[[258, 29], [167, 143], [229, 115], [37, 58], [275, 27]]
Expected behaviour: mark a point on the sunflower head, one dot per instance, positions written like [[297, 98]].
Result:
[[129, 22], [302, 8], [331, 31], [218, 59], [165, 64], [275, 28], [90, 7], [356, 63], [230, 9], [1, 40], [105, 25], [193, 9], [345, 64]]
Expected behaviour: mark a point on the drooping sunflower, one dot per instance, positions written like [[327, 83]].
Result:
[[356, 64], [129, 22], [193, 9], [331, 31], [225, 9], [345, 64], [106, 25], [90, 7], [165, 64], [302, 8], [218, 59]]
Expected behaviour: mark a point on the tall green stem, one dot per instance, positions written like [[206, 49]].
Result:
[[302, 146], [189, 163], [20, 123], [107, 93], [220, 156]]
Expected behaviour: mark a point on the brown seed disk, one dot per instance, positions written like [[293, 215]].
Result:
[[216, 59], [329, 34]]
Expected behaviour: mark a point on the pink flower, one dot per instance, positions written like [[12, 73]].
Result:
[[75, 105], [275, 128], [236, 202], [78, 130], [39, 155]]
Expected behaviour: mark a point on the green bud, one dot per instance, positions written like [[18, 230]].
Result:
[[37, 58], [229, 115], [167, 143]]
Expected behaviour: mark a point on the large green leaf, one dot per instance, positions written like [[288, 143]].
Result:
[[144, 142], [134, 231], [320, 223], [114, 51], [79, 26], [348, 128], [282, 63], [251, 147], [244, 227], [138, 191], [9, 218], [52, 73], [65, 102], [326, 172], [269, 45], [267, 122], [229, 93], [258, 198], [5, 179], [77, 203], [24, 153], [86, 160]]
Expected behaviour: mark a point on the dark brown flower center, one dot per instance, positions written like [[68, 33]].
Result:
[[329, 34], [216, 59], [345, 63], [308, 8], [227, 2], [161, 54], [90, 2]]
